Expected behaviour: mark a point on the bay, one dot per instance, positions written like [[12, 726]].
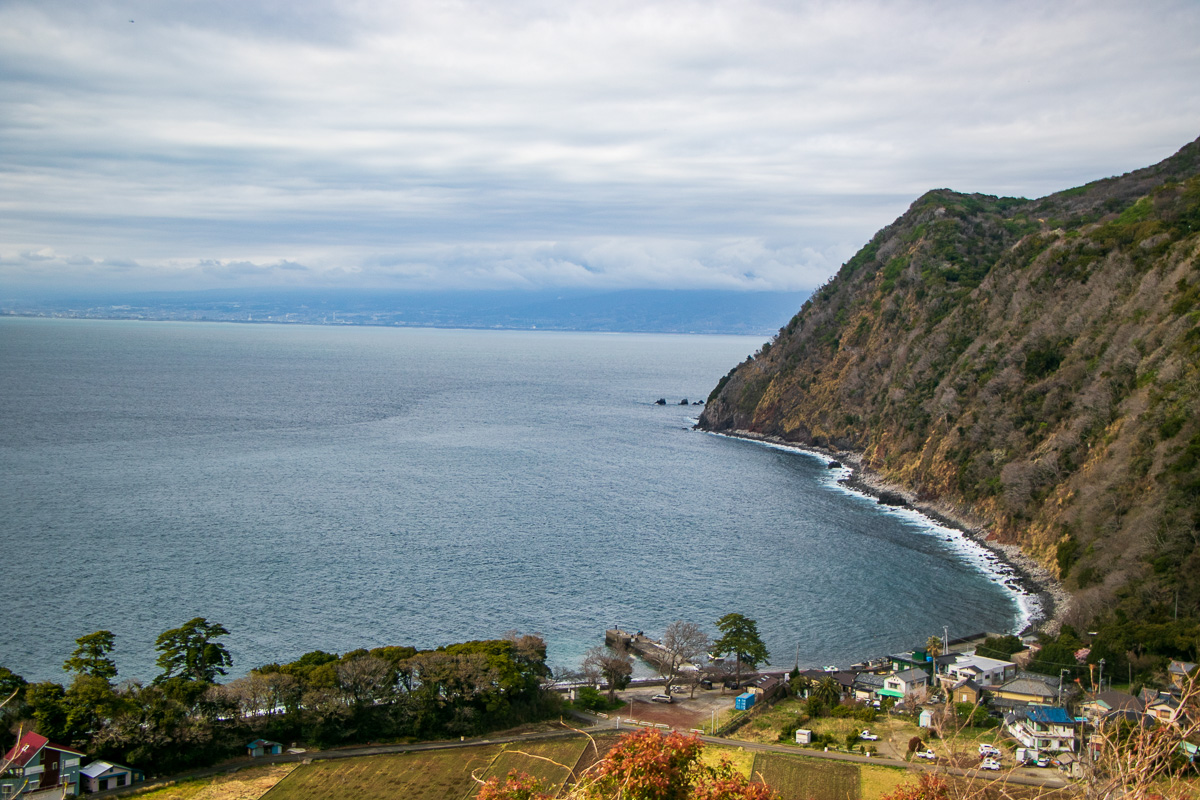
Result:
[[334, 488]]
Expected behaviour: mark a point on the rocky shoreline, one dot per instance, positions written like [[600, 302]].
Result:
[[1033, 579]]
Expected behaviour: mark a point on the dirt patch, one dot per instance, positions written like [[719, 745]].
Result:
[[683, 712]]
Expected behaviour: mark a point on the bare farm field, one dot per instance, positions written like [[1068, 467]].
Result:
[[429, 775], [245, 784], [801, 779], [552, 763]]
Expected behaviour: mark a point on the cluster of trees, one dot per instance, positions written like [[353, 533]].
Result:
[[683, 643], [185, 718]]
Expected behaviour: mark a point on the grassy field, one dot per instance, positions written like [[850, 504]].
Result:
[[431, 775], [245, 784], [875, 782], [742, 761], [765, 728]]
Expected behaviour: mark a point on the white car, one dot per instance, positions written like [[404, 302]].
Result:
[[661, 698], [928, 755], [986, 749], [867, 736], [991, 764]]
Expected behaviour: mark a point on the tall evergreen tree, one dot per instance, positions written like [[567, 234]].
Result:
[[91, 656], [189, 652], [740, 638]]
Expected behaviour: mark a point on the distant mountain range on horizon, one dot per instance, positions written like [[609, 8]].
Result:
[[701, 311]]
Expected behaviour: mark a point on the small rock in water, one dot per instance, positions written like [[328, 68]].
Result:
[[683, 402], [835, 465], [662, 401]]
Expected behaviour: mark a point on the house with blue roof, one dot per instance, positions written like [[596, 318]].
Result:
[[1049, 729]]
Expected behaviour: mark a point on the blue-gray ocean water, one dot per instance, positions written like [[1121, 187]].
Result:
[[335, 488]]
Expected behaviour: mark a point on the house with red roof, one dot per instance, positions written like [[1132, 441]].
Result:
[[36, 767]]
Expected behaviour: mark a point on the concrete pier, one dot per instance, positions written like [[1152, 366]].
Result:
[[637, 644]]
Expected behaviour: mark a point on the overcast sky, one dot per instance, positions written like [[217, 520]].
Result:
[[444, 144]]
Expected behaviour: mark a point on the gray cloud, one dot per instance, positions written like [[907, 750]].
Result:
[[722, 144]]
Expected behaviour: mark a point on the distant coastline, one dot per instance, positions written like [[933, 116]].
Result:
[[694, 311], [1050, 598]]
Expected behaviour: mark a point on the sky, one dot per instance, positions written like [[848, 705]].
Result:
[[452, 144]]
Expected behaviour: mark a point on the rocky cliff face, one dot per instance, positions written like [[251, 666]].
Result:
[[1032, 363]]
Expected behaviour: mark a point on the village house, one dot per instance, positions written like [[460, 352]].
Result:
[[867, 686], [36, 764], [1179, 671], [262, 747], [1051, 730], [1165, 708], [966, 691], [767, 687], [101, 775], [909, 682], [845, 681], [1028, 689], [984, 671], [916, 659], [1100, 704]]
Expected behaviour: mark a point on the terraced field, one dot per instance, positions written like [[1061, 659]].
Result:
[[246, 784], [456, 774], [805, 779], [552, 763], [429, 775], [434, 774]]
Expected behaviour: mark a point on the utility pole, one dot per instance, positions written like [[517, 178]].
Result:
[[1102, 674], [1061, 673]]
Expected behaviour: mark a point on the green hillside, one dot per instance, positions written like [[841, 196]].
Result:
[[1027, 364]]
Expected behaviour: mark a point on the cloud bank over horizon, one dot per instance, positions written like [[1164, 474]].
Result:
[[476, 145]]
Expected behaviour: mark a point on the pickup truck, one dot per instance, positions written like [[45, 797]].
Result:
[[928, 755], [867, 736]]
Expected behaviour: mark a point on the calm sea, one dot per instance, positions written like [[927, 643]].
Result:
[[335, 488]]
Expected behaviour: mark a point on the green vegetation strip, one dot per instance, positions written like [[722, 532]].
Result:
[[429, 775], [807, 779]]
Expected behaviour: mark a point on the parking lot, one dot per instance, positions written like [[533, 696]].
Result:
[[683, 712]]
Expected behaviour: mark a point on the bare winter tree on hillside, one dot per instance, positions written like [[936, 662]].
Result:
[[684, 644], [612, 665]]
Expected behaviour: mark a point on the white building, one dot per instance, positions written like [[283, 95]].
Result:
[[1045, 729], [905, 683], [984, 671]]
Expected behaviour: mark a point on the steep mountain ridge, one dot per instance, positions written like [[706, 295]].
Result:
[[1031, 365]]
